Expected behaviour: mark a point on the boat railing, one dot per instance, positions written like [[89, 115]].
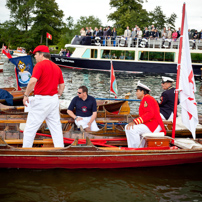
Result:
[[120, 41]]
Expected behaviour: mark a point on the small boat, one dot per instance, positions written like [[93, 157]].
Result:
[[83, 153], [1, 66], [17, 96]]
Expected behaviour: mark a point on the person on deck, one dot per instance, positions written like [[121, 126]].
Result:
[[86, 110], [149, 120], [48, 84], [167, 99]]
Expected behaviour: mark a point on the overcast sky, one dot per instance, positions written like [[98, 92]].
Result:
[[101, 9]]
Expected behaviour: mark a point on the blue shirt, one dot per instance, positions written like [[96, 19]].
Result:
[[83, 108], [167, 102]]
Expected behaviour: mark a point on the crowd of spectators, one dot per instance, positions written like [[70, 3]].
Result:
[[136, 32]]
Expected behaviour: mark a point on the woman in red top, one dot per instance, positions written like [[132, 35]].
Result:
[[174, 35]]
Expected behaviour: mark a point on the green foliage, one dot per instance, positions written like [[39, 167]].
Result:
[[21, 11], [31, 19], [90, 21], [160, 20], [171, 21], [130, 13]]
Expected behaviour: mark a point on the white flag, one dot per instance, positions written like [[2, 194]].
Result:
[[187, 86]]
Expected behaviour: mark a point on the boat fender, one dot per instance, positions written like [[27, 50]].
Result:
[[122, 41], [166, 40], [143, 43], [97, 41]]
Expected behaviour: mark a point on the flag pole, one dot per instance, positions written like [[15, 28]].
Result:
[[46, 40], [178, 73]]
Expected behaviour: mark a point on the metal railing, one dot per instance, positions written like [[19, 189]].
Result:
[[120, 41]]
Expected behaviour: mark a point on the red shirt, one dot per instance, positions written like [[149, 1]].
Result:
[[150, 114], [49, 76]]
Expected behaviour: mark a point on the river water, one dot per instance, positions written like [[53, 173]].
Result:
[[170, 183]]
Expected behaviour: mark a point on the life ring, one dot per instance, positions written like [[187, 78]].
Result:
[[191, 44], [122, 41], [166, 40], [97, 41], [143, 43]]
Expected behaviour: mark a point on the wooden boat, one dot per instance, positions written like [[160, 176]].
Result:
[[83, 154], [17, 96], [1, 66]]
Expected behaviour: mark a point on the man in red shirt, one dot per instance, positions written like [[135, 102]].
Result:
[[48, 85], [149, 120]]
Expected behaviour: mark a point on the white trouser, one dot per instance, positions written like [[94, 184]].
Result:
[[170, 118], [43, 108], [133, 134], [84, 123]]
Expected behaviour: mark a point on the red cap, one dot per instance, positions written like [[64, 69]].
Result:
[[41, 48]]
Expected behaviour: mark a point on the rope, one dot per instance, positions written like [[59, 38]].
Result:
[[127, 100], [117, 99]]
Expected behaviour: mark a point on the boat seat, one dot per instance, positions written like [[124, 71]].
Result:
[[44, 142], [2, 142], [24, 121]]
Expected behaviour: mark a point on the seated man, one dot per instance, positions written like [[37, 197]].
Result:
[[149, 119], [167, 99], [86, 110]]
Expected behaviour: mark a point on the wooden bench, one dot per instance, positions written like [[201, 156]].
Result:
[[44, 142]]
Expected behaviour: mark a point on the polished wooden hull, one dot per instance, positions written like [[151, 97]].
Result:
[[92, 157]]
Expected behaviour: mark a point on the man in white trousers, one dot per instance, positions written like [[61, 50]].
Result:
[[86, 110], [149, 119], [48, 85]]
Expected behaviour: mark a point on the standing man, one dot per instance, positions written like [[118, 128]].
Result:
[[86, 110], [48, 84], [167, 99], [149, 120]]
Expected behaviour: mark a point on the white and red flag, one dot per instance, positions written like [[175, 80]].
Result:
[[187, 85], [6, 52], [49, 36], [113, 85]]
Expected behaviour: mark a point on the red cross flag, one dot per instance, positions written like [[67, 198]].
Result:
[[49, 36], [187, 85], [113, 85], [6, 52]]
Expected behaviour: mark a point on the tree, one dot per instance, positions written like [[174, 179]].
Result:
[[89, 21], [171, 21], [9, 33], [128, 13], [21, 11], [160, 20], [48, 18]]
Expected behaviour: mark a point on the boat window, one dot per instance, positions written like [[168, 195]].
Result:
[[143, 55], [86, 54], [196, 57], [93, 53], [130, 55], [106, 54], [118, 54], [156, 56], [169, 57]]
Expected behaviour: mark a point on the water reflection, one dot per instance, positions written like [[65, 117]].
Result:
[[171, 183]]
